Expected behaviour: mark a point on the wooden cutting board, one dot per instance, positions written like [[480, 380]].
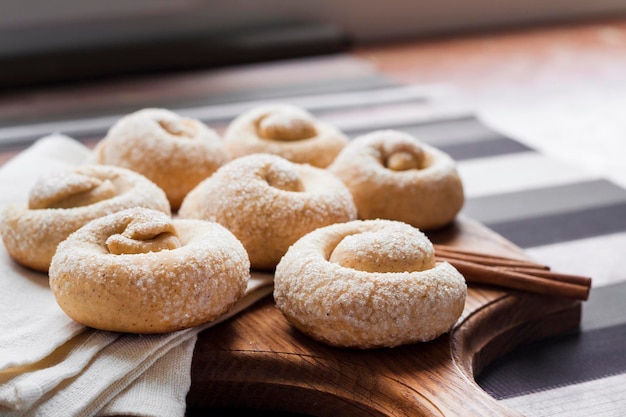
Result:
[[257, 360]]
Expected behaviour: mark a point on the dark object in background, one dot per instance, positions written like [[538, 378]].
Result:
[[74, 40], [183, 52]]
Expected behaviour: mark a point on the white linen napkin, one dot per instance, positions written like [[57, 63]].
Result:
[[51, 365]]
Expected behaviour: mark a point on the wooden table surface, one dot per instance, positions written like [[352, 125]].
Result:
[[517, 59], [559, 88]]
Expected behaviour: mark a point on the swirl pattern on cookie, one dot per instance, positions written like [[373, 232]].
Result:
[[139, 271], [269, 203], [393, 175], [59, 204], [174, 152], [285, 130], [368, 284]]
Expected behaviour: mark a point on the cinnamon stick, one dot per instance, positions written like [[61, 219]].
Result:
[[574, 279], [484, 258], [488, 260], [482, 274]]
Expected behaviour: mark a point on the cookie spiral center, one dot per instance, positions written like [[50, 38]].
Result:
[[143, 235], [384, 252], [69, 190], [403, 161], [283, 177], [287, 125], [182, 127]]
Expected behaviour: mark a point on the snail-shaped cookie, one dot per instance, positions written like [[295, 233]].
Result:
[[269, 203], [140, 271], [61, 203], [287, 131], [392, 175], [367, 284], [176, 153]]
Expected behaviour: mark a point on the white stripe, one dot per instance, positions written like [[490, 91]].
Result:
[[517, 172], [605, 397], [594, 257], [388, 115]]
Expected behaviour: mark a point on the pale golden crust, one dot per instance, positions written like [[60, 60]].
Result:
[[60, 204], [175, 153], [345, 303], [287, 131], [269, 203], [392, 175], [196, 272]]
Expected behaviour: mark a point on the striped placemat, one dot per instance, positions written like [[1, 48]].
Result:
[[561, 215], [564, 217]]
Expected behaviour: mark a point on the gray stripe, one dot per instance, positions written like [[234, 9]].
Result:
[[543, 201], [563, 227], [484, 148], [596, 351], [94, 127], [462, 137], [363, 83]]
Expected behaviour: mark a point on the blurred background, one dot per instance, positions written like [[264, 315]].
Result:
[[69, 40]]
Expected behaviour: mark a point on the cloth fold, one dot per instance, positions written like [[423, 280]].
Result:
[[52, 366]]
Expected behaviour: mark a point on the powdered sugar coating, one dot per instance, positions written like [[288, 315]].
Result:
[[269, 203], [285, 130], [425, 191], [31, 235], [154, 291], [349, 307], [175, 153]]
